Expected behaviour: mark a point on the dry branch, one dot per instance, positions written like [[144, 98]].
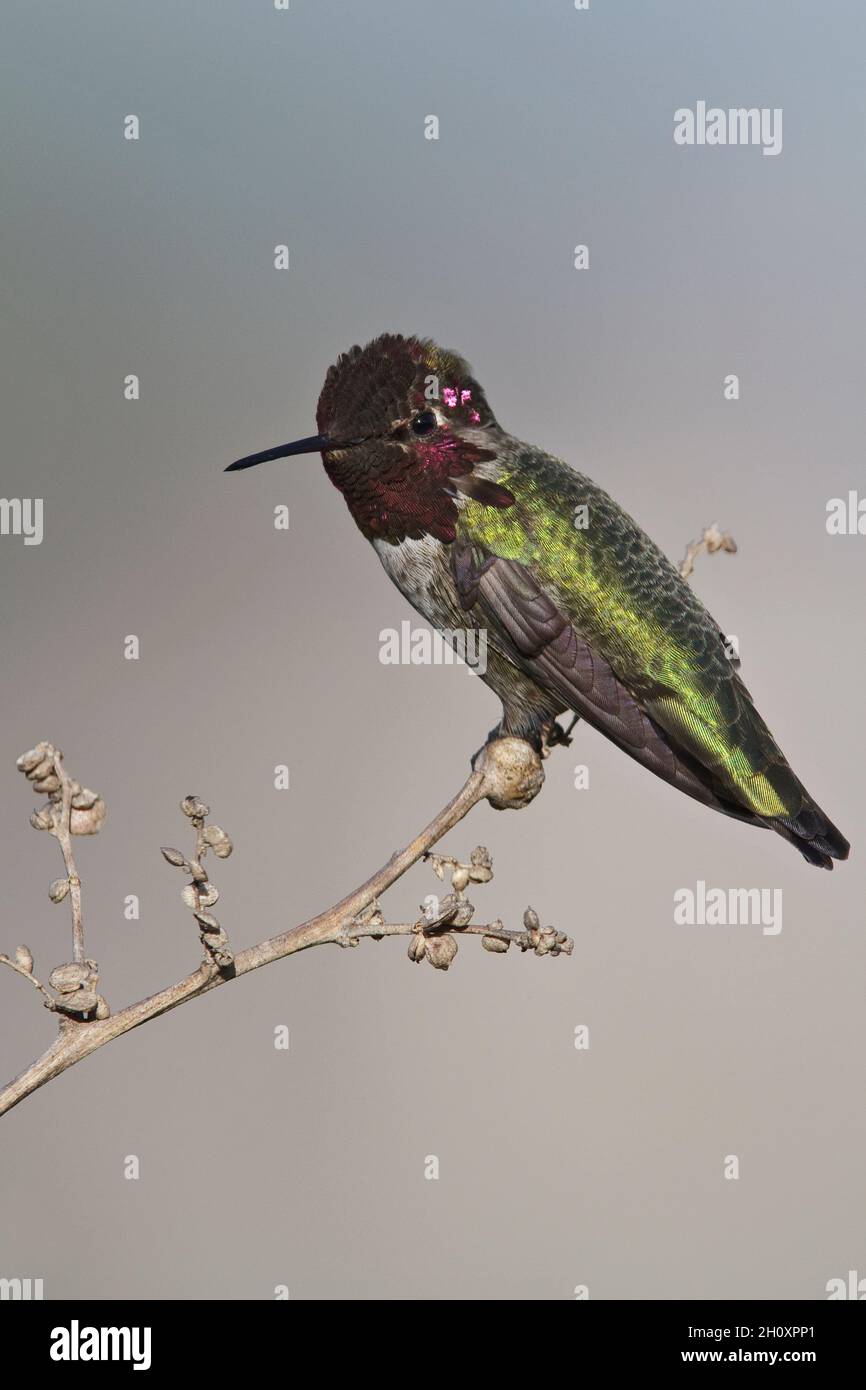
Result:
[[508, 773]]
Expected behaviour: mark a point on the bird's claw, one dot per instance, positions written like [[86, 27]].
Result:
[[553, 736]]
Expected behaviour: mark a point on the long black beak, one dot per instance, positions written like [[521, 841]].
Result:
[[316, 443]]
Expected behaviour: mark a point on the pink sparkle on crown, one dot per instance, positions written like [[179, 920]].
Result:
[[449, 395]]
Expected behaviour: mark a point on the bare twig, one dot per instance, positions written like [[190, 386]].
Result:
[[22, 963], [70, 810], [542, 941], [68, 789], [200, 894], [508, 773], [711, 540]]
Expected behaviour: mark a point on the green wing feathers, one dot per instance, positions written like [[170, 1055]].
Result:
[[631, 610]]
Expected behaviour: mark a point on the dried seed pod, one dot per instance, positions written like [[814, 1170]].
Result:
[[441, 950], [102, 1009], [495, 944], [43, 819], [464, 914], [218, 952], [194, 807], [41, 769], [88, 822], [46, 785], [197, 871], [460, 878], [417, 947], [553, 942], [84, 799], [29, 760], [173, 856], [24, 958], [216, 837], [207, 921], [83, 1001], [448, 907], [205, 896], [215, 940], [58, 889], [531, 920], [70, 977], [480, 865]]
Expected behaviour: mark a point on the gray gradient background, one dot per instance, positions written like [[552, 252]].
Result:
[[558, 1167]]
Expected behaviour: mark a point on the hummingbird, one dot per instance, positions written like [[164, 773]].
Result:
[[582, 612]]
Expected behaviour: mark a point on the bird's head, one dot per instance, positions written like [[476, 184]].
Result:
[[403, 426]]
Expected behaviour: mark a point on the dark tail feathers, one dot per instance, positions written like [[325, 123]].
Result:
[[814, 836]]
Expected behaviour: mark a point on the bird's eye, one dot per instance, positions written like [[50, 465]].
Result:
[[424, 423]]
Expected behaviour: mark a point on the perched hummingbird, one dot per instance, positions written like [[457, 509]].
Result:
[[582, 611]]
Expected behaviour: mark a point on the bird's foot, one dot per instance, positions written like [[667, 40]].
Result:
[[552, 735], [542, 737]]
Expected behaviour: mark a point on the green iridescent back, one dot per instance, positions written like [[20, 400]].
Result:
[[623, 595]]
